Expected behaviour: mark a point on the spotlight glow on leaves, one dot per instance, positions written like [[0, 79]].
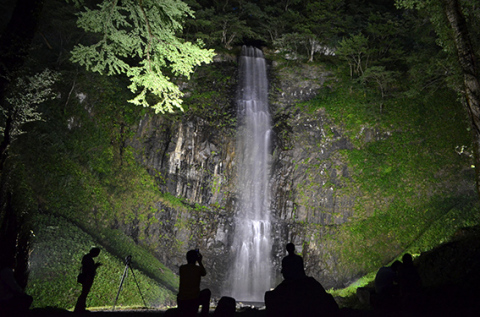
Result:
[[140, 39]]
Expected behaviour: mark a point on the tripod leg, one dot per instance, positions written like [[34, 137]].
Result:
[[125, 273], [138, 286]]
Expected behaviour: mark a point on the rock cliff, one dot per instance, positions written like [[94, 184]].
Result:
[[193, 159]]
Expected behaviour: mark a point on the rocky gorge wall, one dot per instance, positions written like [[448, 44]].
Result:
[[193, 159]]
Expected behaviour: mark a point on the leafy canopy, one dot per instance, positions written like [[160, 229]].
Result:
[[139, 38]]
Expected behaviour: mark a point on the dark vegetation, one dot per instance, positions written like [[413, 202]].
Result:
[[70, 179]]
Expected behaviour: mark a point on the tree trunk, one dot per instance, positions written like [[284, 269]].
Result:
[[467, 62], [15, 42], [6, 140]]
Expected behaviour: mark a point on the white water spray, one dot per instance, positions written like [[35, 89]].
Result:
[[250, 274]]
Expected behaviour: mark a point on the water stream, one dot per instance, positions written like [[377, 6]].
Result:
[[250, 274]]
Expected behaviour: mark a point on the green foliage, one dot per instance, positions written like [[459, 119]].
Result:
[[209, 96], [383, 78], [76, 165], [224, 24], [405, 155], [23, 101], [139, 39], [354, 50], [434, 11], [58, 247], [83, 167]]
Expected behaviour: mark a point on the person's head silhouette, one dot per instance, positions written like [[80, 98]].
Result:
[[192, 256], [94, 252], [407, 259], [291, 248]]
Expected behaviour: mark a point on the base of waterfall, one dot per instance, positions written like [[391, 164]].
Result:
[[249, 304]]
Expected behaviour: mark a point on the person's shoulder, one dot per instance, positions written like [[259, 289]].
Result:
[[188, 266]]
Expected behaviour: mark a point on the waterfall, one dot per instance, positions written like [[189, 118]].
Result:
[[250, 273]]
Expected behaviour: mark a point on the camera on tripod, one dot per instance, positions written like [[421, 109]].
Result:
[[128, 262]]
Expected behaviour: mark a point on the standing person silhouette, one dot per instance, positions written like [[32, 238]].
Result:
[[86, 277], [189, 296], [292, 264]]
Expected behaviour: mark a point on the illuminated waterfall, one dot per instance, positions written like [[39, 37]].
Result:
[[250, 274]]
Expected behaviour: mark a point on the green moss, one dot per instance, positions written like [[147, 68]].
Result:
[[403, 171]]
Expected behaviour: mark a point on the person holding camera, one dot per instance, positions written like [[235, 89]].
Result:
[[86, 277], [190, 297]]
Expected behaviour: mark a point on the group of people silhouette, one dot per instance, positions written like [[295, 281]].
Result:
[[297, 294], [189, 297], [396, 284]]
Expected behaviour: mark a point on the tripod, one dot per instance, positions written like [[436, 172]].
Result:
[[128, 261]]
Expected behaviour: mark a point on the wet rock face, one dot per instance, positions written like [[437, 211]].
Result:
[[195, 161], [188, 158], [308, 170]]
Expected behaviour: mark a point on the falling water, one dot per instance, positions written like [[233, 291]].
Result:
[[250, 274]]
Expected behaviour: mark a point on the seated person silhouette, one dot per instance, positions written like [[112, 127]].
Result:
[[13, 300], [298, 294], [189, 296], [386, 285], [292, 264], [409, 280], [409, 283]]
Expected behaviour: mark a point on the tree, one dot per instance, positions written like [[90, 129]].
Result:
[[382, 77], [137, 38], [15, 41], [317, 24], [21, 106], [277, 19], [140, 39], [223, 23], [448, 17], [355, 51]]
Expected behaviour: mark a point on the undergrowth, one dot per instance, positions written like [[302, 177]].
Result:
[[58, 248]]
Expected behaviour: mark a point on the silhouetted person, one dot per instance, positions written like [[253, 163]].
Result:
[[13, 300], [189, 296], [226, 307], [298, 294], [86, 277], [409, 283], [386, 285], [292, 264], [408, 278], [304, 297]]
